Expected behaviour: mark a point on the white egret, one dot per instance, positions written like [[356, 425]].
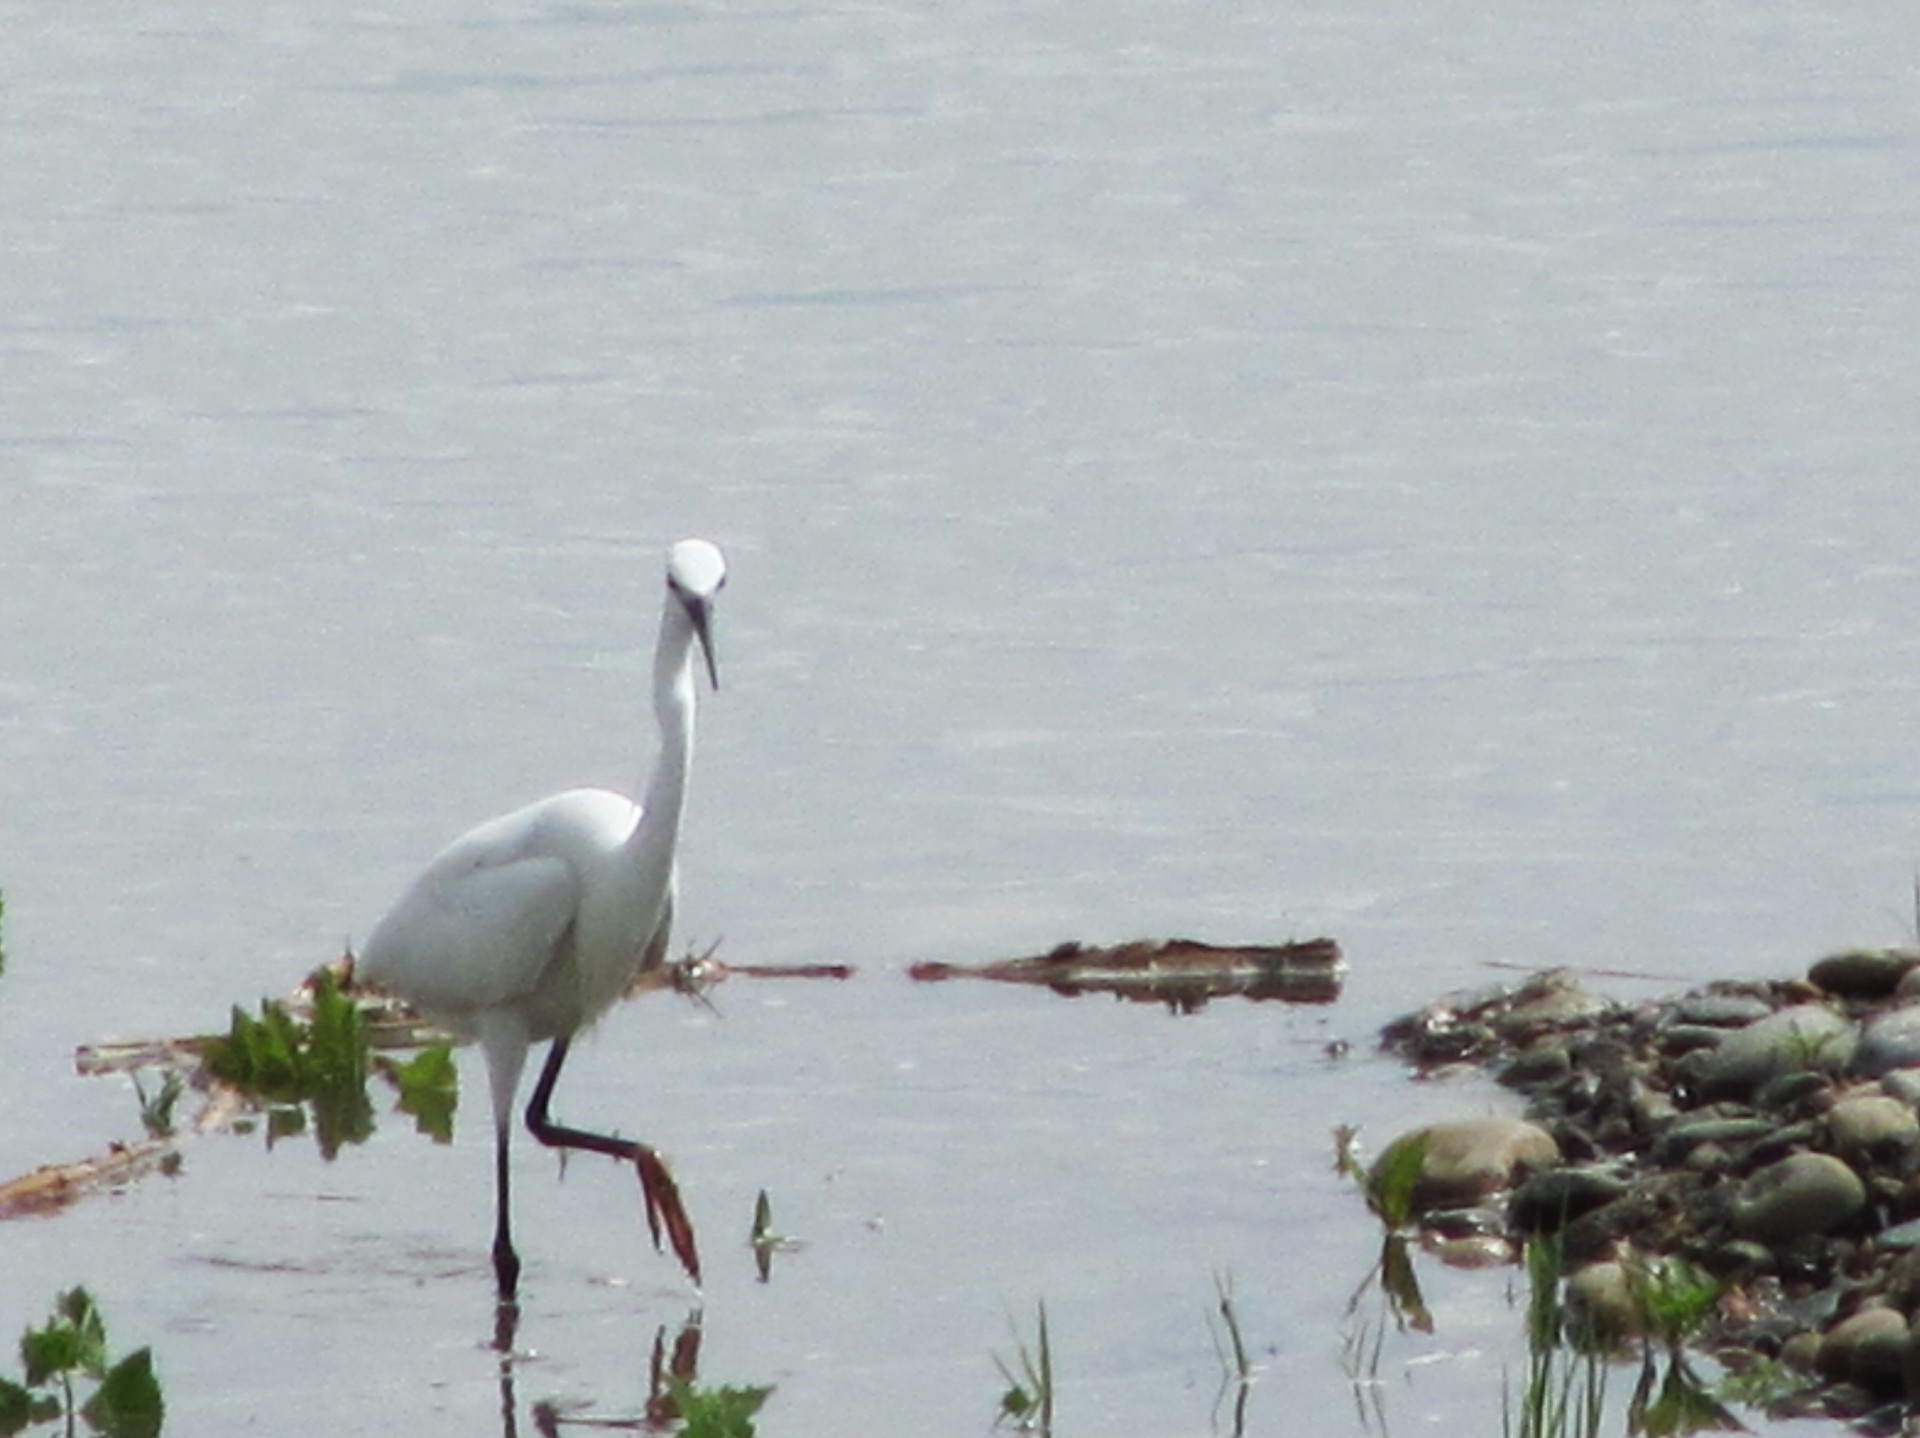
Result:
[[528, 927]]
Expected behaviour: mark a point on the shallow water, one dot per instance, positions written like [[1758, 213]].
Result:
[[1438, 476]]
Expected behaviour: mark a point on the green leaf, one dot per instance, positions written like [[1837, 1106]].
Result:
[[430, 1091], [128, 1403], [74, 1339], [715, 1412], [1394, 1177], [1402, 1285], [16, 1407], [336, 1056]]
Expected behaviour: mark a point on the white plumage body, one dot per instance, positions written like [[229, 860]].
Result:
[[527, 928], [541, 880]]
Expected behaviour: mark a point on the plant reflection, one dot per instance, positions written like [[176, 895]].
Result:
[[673, 1372]]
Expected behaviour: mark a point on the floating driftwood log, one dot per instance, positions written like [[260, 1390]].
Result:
[[1180, 973]]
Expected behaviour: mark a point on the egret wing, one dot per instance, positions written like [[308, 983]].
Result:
[[474, 932]]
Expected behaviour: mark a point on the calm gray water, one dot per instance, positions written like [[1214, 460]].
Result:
[[1438, 475]]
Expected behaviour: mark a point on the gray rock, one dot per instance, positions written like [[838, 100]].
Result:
[[1869, 1349], [1903, 1084], [1543, 1063], [1469, 1159], [1807, 1036], [1602, 1305], [1549, 1201], [1891, 1041], [1720, 1011], [1780, 1095], [1869, 1126], [1681, 1139], [1802, 1196], [1864, 973]]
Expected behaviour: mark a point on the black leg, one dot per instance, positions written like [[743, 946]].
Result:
[[506, 1263], [656, 1183]]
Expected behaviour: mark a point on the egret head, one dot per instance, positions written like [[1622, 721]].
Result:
[[695, 573]]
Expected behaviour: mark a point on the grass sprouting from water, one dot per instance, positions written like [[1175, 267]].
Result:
[[1565, 1391], [156, 1110], [1028, 1401], [1236, 1371]]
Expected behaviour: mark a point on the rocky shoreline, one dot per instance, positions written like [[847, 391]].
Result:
[[1766, 1132]]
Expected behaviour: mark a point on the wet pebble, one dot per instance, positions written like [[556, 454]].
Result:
[[1602, 1303], [1869, 1349], [1806, 1036], [1864, 973], [1718, 1010], [1871, 1127], [1543, 1063], [1802, 1196], [1468, 1159], [1679, 1141], [1548, 1201], [1890, 1041]]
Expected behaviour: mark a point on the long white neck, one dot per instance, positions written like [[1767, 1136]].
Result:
[[673, 704]]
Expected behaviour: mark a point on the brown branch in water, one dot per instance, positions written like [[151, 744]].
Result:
[[55, 1185]]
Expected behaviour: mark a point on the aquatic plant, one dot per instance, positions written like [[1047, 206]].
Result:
[[724, 1412], [1389, 1187], [764, 1240], [126, 1401], [1674, 1300], [1565, 1391], [1392, 1181], [429, 1085], [1236, 1370], [156, 1110], [1028, 1401], [292, 1063]]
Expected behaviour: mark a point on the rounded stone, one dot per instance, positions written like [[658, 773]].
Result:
[[1804, 1037], [1890, 1041], [1468, 1159], [1802, 1196], [1548, 1202], [1602, 1303], [1863, 973], [1871, 1126], [1869, 1349], [1719, 1010]]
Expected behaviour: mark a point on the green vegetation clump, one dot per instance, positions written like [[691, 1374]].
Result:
[[293, 1064], [725, 1412], [126, 1401], [1565, 1391], [429, 1085]]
